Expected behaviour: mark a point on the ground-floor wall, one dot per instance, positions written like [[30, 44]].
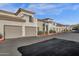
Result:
[[19, 27], [60, 29], [46, 30]]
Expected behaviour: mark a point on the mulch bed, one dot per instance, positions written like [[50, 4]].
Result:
[[42, 35], [52, 47], [1, 40]]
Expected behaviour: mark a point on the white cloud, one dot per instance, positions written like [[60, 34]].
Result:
[[11, 7], [42, 9], [51, 8], [3, 4]]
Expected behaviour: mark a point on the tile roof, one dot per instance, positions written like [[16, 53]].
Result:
[[20, 9], [46, 20], [7, 12], [58, 24], [11, 18]]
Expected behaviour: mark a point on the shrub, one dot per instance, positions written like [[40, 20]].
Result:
[[52, 31], [40, 32], [65, 30], [1, 36], [46, 32]]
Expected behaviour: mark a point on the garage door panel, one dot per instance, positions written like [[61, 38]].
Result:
[[13, 31], [30, 31]]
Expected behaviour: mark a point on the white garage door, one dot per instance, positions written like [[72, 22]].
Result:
[[12, 31], [30, 31]]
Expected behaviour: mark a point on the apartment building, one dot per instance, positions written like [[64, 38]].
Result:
[[46, 25], [24, 24], [60, 28], [19, 24]]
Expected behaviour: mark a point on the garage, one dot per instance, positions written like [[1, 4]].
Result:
[[11, 31], [30, 31]]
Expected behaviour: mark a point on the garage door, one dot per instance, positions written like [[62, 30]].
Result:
[[30, 31], [12, 31]]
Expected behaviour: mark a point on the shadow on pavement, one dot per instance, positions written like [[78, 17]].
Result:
[[52, 47]]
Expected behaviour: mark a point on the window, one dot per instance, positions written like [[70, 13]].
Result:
[[53, 23], [23, 15], [30, 19]]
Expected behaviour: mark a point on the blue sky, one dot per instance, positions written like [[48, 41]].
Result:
[[66, 13]]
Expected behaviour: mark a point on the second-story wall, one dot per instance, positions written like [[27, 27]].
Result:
[[28, 17]]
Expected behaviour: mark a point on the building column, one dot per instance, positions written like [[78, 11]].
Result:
[[36, 27], [2, 32], [23, 30], [48, 29], [37, 31]]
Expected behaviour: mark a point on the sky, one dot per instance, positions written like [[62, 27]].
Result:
[[64, 13]]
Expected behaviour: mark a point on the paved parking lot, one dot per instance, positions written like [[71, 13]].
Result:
[[9, 47], [69, 36]]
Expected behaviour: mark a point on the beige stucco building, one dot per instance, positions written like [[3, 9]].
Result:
[[62, 28], [24, 24], [19, 24], [45, 25]]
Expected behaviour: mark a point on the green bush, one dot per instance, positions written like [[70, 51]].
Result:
[[40, 32], [52, 31], [1, 35], [46, 32], [65, 30]]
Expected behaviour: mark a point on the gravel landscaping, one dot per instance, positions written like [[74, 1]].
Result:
[[52, 47]]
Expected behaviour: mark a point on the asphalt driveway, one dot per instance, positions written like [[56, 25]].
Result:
[[9, 47], [52, 47]]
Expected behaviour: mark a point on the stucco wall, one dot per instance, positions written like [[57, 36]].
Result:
[[60, 29], [40, 25], [14, 23], [23, 24], [1, 29], [34, 23], [20, 14], [50, 26], [3, 22]]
